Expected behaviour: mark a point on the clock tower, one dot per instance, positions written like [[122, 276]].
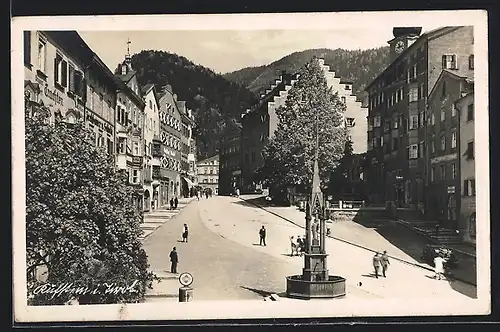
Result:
[[403, 38]]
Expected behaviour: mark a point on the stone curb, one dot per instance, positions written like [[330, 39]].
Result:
[[171, 217], [428, 268]]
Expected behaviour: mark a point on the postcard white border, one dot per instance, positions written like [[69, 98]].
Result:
[[253, 309]]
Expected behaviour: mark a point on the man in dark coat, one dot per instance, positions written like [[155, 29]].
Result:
[[176, 202], [174, 259], [385, 263], [171, 203], [262, 234]]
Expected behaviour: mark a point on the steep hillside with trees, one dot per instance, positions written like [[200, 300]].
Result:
[[214, 100], [359, 66]]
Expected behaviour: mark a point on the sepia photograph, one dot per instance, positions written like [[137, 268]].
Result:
[[235, 166]]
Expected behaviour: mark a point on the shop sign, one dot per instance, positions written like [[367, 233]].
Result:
[[53, 95]]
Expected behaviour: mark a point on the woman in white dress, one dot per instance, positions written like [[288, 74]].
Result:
[[438, 267]]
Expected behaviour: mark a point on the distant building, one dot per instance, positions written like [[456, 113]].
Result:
[[443, 136], [230, 160], [466, 114], [151, 133], [208, 174], [396, 159]]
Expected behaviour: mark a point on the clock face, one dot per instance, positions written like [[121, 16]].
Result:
[[399, 47]]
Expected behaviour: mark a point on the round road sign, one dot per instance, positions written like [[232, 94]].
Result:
[[185, 279]]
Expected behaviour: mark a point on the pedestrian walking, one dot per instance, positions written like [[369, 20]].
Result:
[[238, 192], [302, 245], [171, 203], [206, 194], [262, 234], [385, 263], [176, 202], [376, 264], [293, 247], [185, 232], [174, 259], [197, 195], [438, 266]]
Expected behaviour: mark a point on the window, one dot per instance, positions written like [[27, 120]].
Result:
[[150, 104], [413, 124], [470, 150], [443, 172], [432, 173], [135, 176], [433, 144], [60, 71], [422, 119], [395, 143], [453, 171], [470, 112], [471, 62], [211, 171], [421, 149], [433, 119], [27, 47], [453, 139], [136, 148], [415, 70], [449, 61], [453, 110], [470, 187], [343, 99], [443, 114], [443, 143], [377, 121], [370, 124], [443, 89], [41, 55], [395, 123], [422, 91], [413, 94], [413, 151]]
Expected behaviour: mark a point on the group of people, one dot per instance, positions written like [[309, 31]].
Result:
[[297, 247], [381, 264], [174, 202], [207, 194]]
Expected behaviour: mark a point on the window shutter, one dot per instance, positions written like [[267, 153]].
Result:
[[64, 74], [454, 61], [56, 69], [71, 78], [27, 47], [443, 61]]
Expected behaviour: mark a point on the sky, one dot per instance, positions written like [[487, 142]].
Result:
[[229, 50]]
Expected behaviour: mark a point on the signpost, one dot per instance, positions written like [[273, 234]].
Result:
[[185, 292]]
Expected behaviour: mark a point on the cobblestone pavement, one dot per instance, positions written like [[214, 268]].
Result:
[[227, 263], [400, 241], [240, 222], [222, 269]]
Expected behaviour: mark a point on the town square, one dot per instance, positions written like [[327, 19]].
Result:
[[298, 167]]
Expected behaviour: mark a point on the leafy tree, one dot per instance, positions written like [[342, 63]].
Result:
[[311, 108], [79, 220]]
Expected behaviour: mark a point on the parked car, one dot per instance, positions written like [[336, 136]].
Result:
[[431, 251]]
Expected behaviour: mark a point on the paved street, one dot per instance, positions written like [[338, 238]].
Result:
[[227, 263]]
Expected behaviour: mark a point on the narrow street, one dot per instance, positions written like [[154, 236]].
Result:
[[227, 263]]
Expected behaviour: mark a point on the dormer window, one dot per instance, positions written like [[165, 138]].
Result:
[[124, 70], [348, 87]]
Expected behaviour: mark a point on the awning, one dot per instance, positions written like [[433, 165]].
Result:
[[189, 182]]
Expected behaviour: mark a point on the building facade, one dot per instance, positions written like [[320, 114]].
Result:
[[151, 130], [129, 129], [258, 126], [466, 114], [230, 160], [64, 74], [188, 158], [396, 159], [443, 137], [208, 174], [168, 175]]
